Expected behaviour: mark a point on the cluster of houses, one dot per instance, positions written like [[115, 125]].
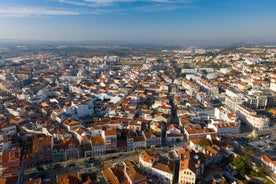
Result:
[[56, 109]]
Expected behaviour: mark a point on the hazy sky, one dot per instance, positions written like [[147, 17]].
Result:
[[139, 20]]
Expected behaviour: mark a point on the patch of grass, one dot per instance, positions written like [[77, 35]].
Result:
[[269, 181]]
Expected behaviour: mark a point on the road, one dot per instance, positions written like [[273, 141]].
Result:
[[246, 131], [79, 165]]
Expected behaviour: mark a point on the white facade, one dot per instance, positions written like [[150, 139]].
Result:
[[225, 128], [270, 163], [250, 117], [139, 143], [173, 134], [186, 176], [191, 88], [272, 86], [98, 150], [165, 177], [224, 114]]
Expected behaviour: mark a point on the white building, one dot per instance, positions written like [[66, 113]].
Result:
[[163, 171], [187, 169], [225, 128], [270, 162], [98, 145], [250, 117], [173, 134], [190, 88], [139, 142], [224, 114], [146, 160]]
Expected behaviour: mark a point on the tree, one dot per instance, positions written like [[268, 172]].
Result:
[[240, 164], [205, 142]]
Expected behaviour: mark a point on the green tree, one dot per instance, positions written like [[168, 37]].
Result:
[[240, 164], [205, 142]]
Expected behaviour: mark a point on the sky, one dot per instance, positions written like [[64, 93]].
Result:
[[164, 21]]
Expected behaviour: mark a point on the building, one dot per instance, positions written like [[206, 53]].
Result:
[[250, 117], [133, 174], [193, 133], [173, 134], [270, 161], [190, 88], [233, 98], [110, 137], [152, 138], [261, 99], [45, 149], [187, 168], [225, 128], [72, 148], [139, 142], [59, 153], [164, 171], [98, 145], [207, 87], [146, 160], [224, 114], [71, 178]]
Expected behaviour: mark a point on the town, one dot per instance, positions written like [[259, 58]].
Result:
[[135, 116]]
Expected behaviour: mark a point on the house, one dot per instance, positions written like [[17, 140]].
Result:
[[109, 176], [45, 149], [98, 145], [70, 178], [122, 145], [59, 153], [139, 142], [110, 137], [9, 179], [11, 158], [190, 88], [133, 174], [146, 161], [173, 134], [187, 168], [225, 128], [223, 114], [164, 171], [193, 133], [270, 161], [152, 138], [130, 142], [72, 148]]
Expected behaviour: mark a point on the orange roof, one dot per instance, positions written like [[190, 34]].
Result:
[[97, 141], [68, 178], [8, 180], [110, 132], [11, 156], [45, 141], [33, 181], [110, 176], [267, 159], [211, 150], [134, 174], [164, 167], [146, 156]]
